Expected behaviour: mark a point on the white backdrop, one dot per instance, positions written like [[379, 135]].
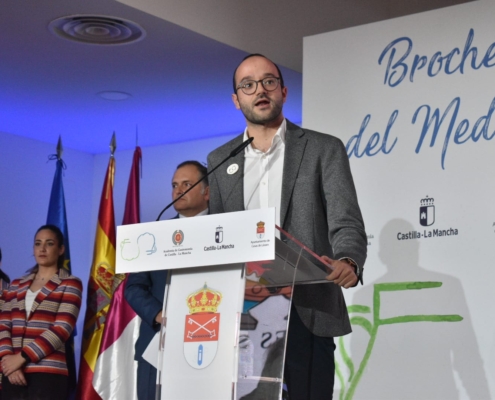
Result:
[[412, 98]]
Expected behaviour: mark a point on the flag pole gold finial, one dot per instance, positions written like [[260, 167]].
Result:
[[113, 144], [60, 148]]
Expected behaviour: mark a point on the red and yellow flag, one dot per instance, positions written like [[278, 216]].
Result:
[[115, 373], [100, 287]]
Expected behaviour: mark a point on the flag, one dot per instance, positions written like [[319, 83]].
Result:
[[58, 217], [132, 203], [100, 287], [115, 374], [56, 209]]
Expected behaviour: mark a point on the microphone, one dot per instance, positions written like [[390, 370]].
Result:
[[233, 153], [236, 151]]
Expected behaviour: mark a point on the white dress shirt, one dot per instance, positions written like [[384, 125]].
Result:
[[29, 300], [263, 174], [204, 212]]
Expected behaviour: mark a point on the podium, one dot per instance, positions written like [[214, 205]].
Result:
[[227, 301]]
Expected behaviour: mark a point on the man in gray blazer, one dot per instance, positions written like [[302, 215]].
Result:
[[306, 176]]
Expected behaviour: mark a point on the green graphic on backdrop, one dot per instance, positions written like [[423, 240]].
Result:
[[349, 387]]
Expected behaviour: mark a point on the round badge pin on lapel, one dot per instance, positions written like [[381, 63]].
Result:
[[232, 169]]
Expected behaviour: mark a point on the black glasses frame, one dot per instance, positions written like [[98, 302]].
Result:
[[256, 87]]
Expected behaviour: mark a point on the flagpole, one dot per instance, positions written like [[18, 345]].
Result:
[[60, 148], [57, 216], [100, 283], [116, 360]]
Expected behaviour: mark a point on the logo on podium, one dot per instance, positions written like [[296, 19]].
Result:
[[219, 234], [260, 230], [178, 237], [202, 327]]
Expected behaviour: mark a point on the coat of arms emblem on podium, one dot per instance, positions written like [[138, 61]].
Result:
[[202, 327]]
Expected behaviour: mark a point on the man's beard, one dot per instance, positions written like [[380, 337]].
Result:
[[250, 113]]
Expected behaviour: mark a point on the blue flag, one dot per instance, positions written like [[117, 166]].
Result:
[[56, 210], [58, 217]]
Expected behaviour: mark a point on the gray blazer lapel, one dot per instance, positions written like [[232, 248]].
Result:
[[295, 144], [238, 182], [234, 182]]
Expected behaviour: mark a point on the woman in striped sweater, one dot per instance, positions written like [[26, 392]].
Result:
[[4, 285], [38, 317]]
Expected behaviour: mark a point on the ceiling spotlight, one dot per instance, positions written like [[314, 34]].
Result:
[[113, 95], [97, 29]]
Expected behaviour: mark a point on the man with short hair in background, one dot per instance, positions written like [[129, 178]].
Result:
[[145, 290]]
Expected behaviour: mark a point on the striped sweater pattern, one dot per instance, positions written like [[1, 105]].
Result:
[[53, 317]]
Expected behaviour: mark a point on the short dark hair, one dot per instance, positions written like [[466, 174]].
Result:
[[200, 167], [258, 55]]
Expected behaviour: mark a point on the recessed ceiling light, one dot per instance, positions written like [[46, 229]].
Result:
[[97, 29], [113, 95]]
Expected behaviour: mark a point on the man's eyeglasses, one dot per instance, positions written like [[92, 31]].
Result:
[[250, 87]]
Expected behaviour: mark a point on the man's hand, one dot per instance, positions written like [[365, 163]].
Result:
[[17, 378], [343, 274], [11, 363], [159, 318]]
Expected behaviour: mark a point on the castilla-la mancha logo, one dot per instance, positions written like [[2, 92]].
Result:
[[219, 234], [202, 327], [427, 211]]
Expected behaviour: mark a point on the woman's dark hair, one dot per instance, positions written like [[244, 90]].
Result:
[[60, 239], [3, 276]]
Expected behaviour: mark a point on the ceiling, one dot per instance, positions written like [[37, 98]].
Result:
[[179, 76]]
